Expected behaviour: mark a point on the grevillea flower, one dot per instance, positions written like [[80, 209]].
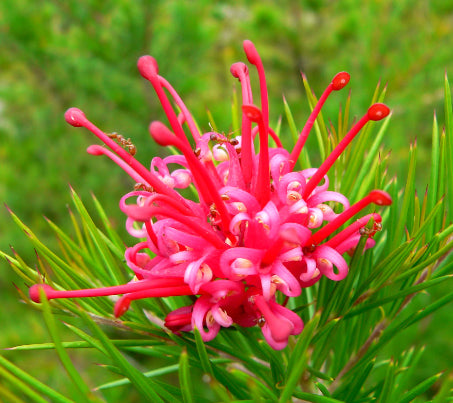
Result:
[[259, 229]]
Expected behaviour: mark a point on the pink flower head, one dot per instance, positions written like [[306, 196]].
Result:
[[259, 228]]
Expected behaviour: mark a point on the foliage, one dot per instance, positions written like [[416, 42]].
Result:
[[56, 54], [338, 356]]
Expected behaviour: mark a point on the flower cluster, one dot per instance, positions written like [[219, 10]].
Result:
[[259, 229]]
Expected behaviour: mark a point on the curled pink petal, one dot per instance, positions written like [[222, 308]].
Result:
[[327, 258], [202, 318]]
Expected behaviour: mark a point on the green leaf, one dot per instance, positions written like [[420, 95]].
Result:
[[83, 390], [84, 344], [276, 365], [422, 387], [445, 391], [8, 396], [364, 168], [220, 391], [408, 367], [308, 397], [431, 308], [202, 353], [395, 296], [146, 387], [448, 189], [25, 272], [116, 244], [323, 389], [298, 360], [434, 176], [406, 206], [349, 390], [149, 374], [228, 385], [304, 159], [319, 126], [389, 382], [257, 388], [23, 387], [185, 381], [26, 382], [107, 263]]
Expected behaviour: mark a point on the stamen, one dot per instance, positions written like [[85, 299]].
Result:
[[274, 136], [375, 112], [255, 59], [337, 83], [123, 304], [355, 226], [205, 231], [148, 68], [151, 233], [378, 197], [179, 102], [169, 202], [272, 133], [163, 136], [135, 286], [262, 183], [99, 150], [77, 118], [240, 71]]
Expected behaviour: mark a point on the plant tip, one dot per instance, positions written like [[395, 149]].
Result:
[[381, 198], [340, 80], [95, 150], [239, 68], [75, 117], [251, 52], [147, 66], [161, 134], [252, 112], [35, 291], [378, 111]]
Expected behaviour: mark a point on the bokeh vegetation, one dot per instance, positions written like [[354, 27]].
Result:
[[54, 55]]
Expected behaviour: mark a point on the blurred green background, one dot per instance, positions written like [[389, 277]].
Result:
[[54, 55]]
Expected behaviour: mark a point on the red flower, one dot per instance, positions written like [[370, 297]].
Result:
[[258, 229]]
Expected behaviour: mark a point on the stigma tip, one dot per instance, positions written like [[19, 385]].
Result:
[[252, 112], [340, 80], [35, 293], [381, 198], [147, 66], [75, 117], [378, 111], [251, 52]]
